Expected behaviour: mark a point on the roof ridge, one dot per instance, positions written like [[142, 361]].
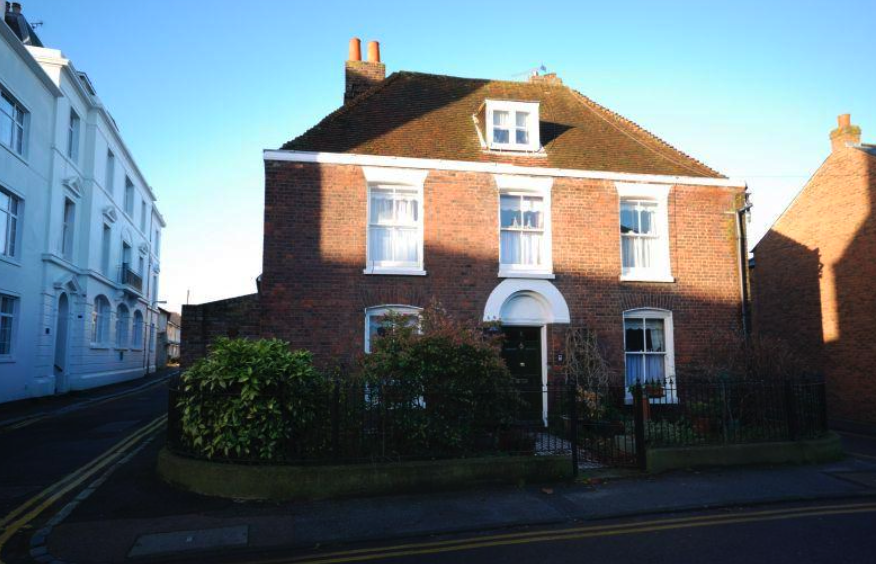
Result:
[[594, 106], [347, 107]]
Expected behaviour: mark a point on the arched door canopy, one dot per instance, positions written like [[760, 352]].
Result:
[[519, 301]]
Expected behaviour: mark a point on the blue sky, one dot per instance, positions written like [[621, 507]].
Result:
[[199, 88]]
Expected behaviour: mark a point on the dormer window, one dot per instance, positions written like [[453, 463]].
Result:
[[513, 125]]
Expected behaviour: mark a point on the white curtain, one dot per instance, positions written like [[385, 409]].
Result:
[[635, 369], [656, 367], [654, 329]]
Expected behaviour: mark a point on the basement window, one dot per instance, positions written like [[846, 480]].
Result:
[[513, 125]]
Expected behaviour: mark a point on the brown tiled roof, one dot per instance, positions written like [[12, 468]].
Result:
[[430, 116]]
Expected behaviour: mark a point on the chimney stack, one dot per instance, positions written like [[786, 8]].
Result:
[[362, 75], [16, 8], [845, 134]]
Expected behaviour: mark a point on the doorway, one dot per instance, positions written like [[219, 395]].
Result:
[[61, 343], [522, 351]]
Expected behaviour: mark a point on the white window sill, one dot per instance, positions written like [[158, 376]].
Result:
[[523, 151], [536, 274], [100, 347], [11, 260], [395, 270], [665, 400], [121, 348], [15, 153], [7, 359], [136, 349], [646, 277]]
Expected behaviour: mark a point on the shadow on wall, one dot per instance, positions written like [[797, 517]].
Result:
[[851, 355], [314, 292], [786, 295], [819, 293]]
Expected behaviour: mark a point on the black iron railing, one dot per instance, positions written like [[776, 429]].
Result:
[[606, 426], [130, 278]]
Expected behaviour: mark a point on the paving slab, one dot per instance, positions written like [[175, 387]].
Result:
[[159, 544]]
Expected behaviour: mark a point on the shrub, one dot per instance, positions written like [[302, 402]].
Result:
[[247, 398], [444, 385]]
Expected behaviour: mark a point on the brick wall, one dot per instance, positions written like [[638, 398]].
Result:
[[813, 280], [314, 292], [203, 323]]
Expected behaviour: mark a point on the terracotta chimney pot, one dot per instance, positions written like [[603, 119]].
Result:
[[844, 120], [16, 8], [355, 49], [373, 52]]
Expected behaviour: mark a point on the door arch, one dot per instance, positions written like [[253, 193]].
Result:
[[61, 334]]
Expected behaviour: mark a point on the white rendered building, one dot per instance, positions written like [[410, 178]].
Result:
[[79, 230]]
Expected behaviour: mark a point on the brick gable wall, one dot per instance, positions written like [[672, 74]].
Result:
[[314, 292], [813, 283]]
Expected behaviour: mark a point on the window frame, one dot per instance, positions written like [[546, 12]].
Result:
[[661, 266], [395, 179], [15, 300], [137, 330], [527, 186], [100, 322], [129, 197], [106, 250], [13, 232], [68, 229], [74, 134], [513, 108], [670, 382], [381, 310], [23, 125], [110, 172], [123, 327]]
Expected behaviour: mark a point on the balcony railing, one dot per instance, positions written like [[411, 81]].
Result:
[[130, 278]]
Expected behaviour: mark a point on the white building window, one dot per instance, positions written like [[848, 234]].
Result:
[[68, 229], [129, 197], [143, 216], [395, 221], [524, 226], [110, 172], [10, 215], [12, 123], [376, 321], [106, 250], [138, 330], [513, 125], [100, 321], [8, 305], [123, 321], [644, 233], [73, 136], [648, 349]]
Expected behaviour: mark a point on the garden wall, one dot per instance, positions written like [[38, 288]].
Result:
[[203, 323]]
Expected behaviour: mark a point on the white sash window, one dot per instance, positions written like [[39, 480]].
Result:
[[394, 238]]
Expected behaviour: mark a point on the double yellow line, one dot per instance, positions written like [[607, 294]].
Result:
[[33, 507], [576, 533], [99, 401]]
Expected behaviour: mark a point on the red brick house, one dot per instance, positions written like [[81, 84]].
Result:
[[524, 202], [815, 271]]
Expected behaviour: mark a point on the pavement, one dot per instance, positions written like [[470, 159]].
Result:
[[133, 511], [124, 513]]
